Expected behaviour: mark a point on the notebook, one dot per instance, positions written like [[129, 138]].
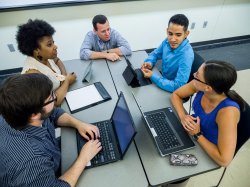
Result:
[[116, 134], [134, 77], [85, 97], [166, 130]]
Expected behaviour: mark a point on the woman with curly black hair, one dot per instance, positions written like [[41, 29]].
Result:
[[35, 40]]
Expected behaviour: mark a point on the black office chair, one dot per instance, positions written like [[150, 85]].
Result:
[[243, 129], [243, 133], [198, 61]]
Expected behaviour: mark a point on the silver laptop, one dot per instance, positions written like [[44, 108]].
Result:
[[166, 130]]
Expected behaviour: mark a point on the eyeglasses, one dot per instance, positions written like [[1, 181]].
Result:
[[194, 75], [52, 99]]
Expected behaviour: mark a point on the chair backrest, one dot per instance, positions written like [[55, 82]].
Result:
[[243, 128], [198, 60]]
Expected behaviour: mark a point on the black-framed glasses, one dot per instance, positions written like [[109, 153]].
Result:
[[199, 79], [52, 99]]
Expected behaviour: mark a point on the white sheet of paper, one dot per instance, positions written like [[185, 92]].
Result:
[[83, 97]]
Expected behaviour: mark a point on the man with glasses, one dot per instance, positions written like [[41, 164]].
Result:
[[176, 54], [103, 42], [30, 154]]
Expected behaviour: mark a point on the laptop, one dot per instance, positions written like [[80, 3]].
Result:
[[134, 77], [116, 135], [166, 130]]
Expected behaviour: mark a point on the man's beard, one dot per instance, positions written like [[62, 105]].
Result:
[[45, 115]]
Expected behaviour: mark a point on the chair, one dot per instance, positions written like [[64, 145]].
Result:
[[198, 61], [243, 128], [243, 133]]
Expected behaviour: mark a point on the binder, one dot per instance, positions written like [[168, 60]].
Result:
[[85, 97]]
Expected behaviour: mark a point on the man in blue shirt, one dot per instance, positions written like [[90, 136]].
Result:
[[103, 42], [176, 54], [30, 154]]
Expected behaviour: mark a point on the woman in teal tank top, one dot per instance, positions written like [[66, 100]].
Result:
[[216, 109]]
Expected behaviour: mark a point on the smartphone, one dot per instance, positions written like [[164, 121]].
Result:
[[183, 160]]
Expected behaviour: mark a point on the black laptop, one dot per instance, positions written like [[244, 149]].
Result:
[[166, 130], [116, 135], [134, 77]]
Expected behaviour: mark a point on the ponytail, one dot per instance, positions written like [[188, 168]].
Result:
[[237, 98]]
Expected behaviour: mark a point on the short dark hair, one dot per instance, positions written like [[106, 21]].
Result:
[[221, 76], [29, 34], [23, 95], [101, 19], [180, 19]]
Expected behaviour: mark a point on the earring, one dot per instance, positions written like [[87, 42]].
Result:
[[40, 57]]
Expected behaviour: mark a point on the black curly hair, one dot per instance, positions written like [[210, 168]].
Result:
[[29, 34]]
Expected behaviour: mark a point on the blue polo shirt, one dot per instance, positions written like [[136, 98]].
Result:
[[176, 65], [31, 156]]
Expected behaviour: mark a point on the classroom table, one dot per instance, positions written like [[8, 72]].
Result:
[[127, 172], [150, 97]]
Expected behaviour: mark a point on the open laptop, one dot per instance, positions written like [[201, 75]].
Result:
[[134, 77], [166, 130], [116, 135]]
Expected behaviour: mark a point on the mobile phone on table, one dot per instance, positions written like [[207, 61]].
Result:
[[183, 160]]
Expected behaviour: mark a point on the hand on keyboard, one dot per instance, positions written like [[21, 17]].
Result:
[[89, 150], [90, 138], [88, 131]]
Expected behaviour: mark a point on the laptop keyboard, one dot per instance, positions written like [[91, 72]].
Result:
[[164, 132], [107, 153]]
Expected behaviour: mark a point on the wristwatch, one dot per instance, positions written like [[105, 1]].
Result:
[[197, 135]]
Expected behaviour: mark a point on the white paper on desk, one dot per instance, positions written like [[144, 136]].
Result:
[[82, 97]]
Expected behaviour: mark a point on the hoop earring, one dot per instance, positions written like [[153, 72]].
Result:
[[39, 57]]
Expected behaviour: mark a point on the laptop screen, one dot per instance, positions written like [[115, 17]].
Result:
[[123, 124]]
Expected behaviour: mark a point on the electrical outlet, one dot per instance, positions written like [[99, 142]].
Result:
[[205, 24], [192, 25], [11, 47]]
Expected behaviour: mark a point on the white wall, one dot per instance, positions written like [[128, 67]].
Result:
[[142, 23]]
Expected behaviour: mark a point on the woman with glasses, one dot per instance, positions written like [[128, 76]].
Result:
[[35, 40], [216, 109]]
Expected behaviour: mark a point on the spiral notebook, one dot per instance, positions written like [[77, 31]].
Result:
[[86, 97]]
